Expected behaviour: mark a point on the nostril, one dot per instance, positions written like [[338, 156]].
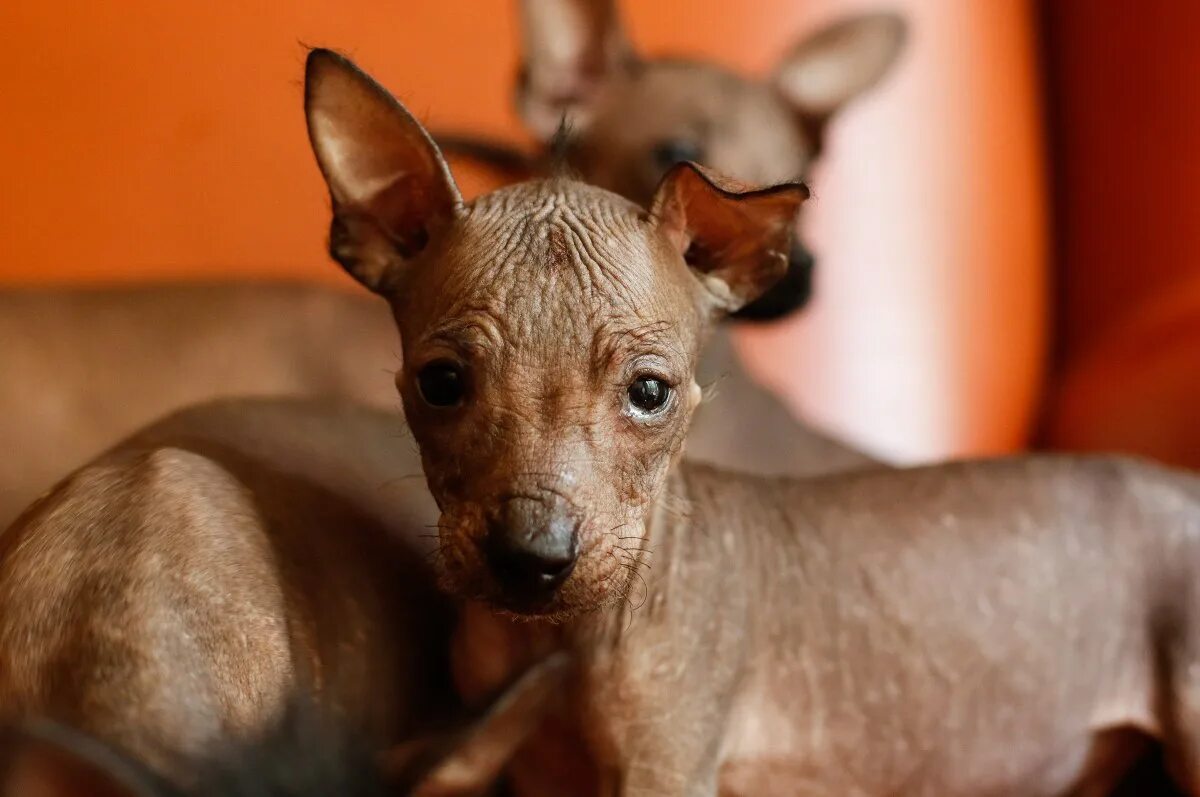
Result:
[[540, 564], [554, 569]]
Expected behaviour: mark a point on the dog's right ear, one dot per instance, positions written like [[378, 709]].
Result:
[[570, 49], [734, 238], [390, 186], [50, 761]]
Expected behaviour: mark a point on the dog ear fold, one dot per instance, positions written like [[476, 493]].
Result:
[[570, 49], [467, 762], [390, 186], [831, 67], [735, 240], [49, 761]]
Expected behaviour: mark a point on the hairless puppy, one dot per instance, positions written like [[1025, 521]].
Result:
[[1001, 627], [104, 610]]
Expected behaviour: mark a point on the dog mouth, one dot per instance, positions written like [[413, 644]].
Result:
[[528, 607], [572, 599], [471, 568]]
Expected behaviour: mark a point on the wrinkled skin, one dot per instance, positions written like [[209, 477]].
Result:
[[1007, 627], [565, 437], [620, 120]]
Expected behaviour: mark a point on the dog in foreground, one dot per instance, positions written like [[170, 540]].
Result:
[[1009, 626]]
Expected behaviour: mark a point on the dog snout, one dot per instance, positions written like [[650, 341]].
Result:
[[788, 295], [532, 545]]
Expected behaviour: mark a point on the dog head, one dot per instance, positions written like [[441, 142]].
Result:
[[550, 335]]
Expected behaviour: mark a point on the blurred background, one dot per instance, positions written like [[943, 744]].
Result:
[[1005, 227]]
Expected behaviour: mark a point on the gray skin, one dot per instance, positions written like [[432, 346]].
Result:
[[972, 629]]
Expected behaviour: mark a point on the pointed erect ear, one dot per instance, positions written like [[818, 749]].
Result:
[[390, 186], [839, 62], [735, 240], [49, 761], [570, 49]]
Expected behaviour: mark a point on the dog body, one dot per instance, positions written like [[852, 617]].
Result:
[[178, 589], [85, 368], [883, 633]]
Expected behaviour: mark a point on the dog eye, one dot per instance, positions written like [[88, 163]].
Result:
[[648, 395], [442, 383], [673, 151]]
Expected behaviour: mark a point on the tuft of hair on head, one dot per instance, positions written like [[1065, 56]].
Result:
[[558, 150]]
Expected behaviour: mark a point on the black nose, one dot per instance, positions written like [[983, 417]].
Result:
[[531, 546], [788, 295]]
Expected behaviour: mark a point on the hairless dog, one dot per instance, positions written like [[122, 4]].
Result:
[[999, 627], [126, 614]]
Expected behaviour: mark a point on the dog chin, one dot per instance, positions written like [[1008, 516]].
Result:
[[555, 608]]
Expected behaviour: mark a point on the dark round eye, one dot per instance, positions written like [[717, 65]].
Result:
[[648, 394], [441, 383], [673, 151]]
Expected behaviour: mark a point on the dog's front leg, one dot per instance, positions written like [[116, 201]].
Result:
[[641, 781], [664, 760], [655, 727]]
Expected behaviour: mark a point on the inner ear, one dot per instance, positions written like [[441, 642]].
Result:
[[570, 48], [839, 62], [390, 186], [735, 239]]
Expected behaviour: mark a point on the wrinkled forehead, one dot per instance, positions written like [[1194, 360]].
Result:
[[554, 260]]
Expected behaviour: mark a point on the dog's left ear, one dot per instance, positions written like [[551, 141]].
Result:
[[570, 50], [391, 188], [735, 240], [831, 67]]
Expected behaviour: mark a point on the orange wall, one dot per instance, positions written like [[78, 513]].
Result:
[[1125, 85], [145, 138]]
